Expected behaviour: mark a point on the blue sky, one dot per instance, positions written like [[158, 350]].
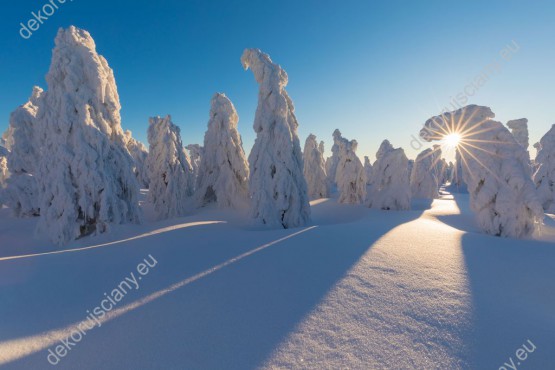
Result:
[[373, 69]]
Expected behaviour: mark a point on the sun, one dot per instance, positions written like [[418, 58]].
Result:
[[452, 140]]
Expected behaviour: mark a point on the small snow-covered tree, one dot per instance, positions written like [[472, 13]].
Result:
[[139, 154], [195, 155], [367, 169], [331, 162], [85, 174], [21, 193], [4, 173], [169, 169], [314, 168], [410, 167], [519, 129], [350, 175], [496, 170], [277, 186], [423, 180], [223, 171], [390, 180], [544, 177]]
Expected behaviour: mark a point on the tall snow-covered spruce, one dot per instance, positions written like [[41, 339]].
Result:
[[544, 177], [390, 186], [85, 174], [195, 155], [223, 171], [331, 162], [315, 168], [21, 193], [169, 169], [139, 154], [423, 179], [350, 176], [367, 169], [495, 168], [277, 186], [519, 129]]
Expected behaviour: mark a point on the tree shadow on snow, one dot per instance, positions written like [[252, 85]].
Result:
[[235, 318], [512, 285]]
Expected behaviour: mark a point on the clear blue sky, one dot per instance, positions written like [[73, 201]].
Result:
[[373, 69]]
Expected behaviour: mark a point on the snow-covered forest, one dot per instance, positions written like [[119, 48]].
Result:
[[74, 178]]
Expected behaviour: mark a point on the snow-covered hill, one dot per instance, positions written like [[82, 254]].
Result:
[[357, 289]]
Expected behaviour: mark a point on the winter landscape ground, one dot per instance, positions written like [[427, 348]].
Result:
[[357, 288]]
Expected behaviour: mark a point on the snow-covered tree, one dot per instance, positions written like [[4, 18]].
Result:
[[519, 129], [223, 171], [367, 169], [4, 173], [139, 154], [331, 162], [410, 167], [315, 168], [544, 177], [195, 155], [350, 175], [21, 193], [457, 184], [277, 186], [85, 174], [496, 170], [390, 180], [169, 169], [423, 180]]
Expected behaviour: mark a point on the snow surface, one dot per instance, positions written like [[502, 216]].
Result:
[[358, 289], [278, 190]]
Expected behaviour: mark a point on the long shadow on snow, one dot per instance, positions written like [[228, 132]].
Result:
[[512, 283], [236, 317]]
